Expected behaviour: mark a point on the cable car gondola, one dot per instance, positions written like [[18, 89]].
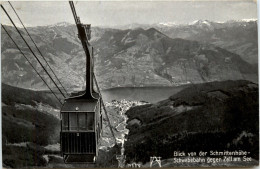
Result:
[[81, 115]]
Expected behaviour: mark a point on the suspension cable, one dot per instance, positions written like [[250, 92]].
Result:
[[31, 64], [104, 107], [73, 11], [31, 50], [37, 47]]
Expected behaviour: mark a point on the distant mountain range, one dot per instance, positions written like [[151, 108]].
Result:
[[158, 56], [236, 36]]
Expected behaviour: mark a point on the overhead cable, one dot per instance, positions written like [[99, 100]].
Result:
[[31, 50], [37, 47], [31, 64]]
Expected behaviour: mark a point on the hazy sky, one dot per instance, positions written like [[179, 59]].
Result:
[[113, 13]]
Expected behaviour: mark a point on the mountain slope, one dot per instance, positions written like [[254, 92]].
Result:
[[145, 57], [29, 122], [135, 57], [224, 114], [239, 37]]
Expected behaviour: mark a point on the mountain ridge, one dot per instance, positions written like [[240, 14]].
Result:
[[136, 57]]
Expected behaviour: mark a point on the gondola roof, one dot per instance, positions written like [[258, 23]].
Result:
[[80, 104]]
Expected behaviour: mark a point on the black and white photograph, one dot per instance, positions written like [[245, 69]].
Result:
[[129, 84]]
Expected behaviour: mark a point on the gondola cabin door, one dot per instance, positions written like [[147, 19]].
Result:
[[81, 121]]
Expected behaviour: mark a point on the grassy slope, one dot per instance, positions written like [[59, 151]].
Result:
[[12, 95], [26, 124], [219, 112]]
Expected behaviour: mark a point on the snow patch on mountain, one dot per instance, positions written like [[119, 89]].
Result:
[[200, 22], [250, 20], [167, 23], [59, 24]]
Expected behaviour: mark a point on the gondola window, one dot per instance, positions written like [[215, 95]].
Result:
[[65, 121], [73, 121], [90, 121], [82, 121]]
